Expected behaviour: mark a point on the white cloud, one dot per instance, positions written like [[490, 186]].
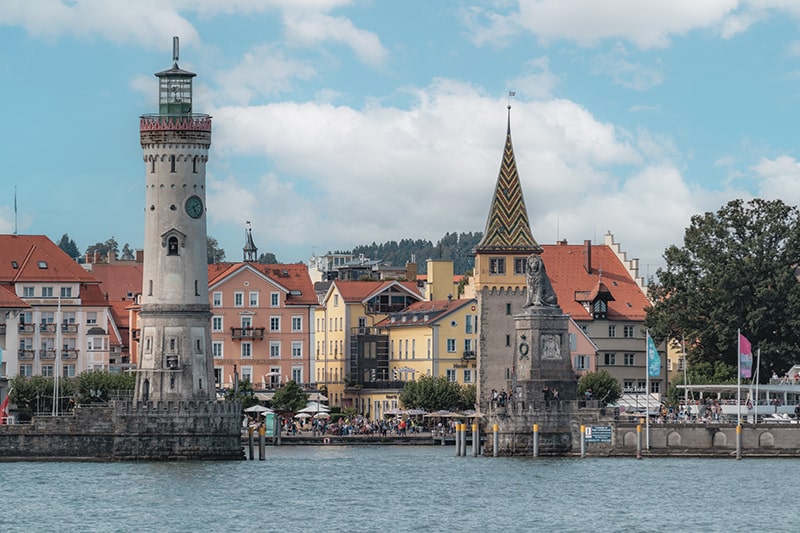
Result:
[[537, 81], [648, 24], [342, 176], [311, 28], [626, 73], [778, 178], [263, 71], [119, 21]]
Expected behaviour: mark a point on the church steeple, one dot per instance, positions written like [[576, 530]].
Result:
[[507, 227], [250, 250]]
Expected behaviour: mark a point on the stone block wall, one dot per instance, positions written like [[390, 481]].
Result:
[[126, 431]]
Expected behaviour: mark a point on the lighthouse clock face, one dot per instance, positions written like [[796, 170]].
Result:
[[194, 207]]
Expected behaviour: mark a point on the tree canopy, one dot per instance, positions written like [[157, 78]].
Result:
[[69, 247], [737, 270], [104, 249], [214, 252], [437, 393], [456, 247], [290, 397], [268, 259], [603, 386]]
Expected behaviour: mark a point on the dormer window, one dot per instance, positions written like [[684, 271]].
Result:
[[42, 264], [14, 265], [600, 309]]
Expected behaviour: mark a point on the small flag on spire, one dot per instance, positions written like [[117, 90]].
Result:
[[512, 93]]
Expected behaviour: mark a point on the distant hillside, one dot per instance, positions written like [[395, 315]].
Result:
[[453, 246]]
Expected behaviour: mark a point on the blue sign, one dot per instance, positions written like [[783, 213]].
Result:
[[597, 434]]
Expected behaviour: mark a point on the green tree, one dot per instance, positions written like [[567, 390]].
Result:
[[436, 393], [243, 394], [104, 249], [34, 394], [95, 386], [603, 385], [215, 254], [127, 253], [290, 397], [69, 246], [737, 269], [268, 259]]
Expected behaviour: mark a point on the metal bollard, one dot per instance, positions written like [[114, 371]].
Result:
[[583, 441], [536, 440], [458, 439], [495, 439], [262, 431], [476, 439], [639, 441], [250, 442], [738, 442]]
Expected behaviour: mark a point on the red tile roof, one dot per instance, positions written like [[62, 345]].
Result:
[[358, 291], [28, 252], [9, 300], [433, 309], [293, 278], [566, 268], [118, 279]]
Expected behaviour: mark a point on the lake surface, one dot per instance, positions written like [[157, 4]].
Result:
[[402, 488]]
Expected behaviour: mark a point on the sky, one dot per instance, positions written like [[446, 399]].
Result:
[[346, 122]]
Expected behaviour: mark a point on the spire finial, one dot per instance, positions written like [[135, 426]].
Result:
[[175, 50], [511, 94]]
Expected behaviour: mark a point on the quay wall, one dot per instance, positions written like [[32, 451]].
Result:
[[196, 430]]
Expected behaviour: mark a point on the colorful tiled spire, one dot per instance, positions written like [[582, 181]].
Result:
[[508, 228]]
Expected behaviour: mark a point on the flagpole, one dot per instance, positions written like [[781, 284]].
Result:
[[647, 391], [758, 376], [738, 377]]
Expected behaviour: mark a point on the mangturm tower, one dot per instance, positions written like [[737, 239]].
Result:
[[174, 321], [523, 348]]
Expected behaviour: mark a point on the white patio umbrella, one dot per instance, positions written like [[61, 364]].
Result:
[[258, 409], [315, 407], [302, 415]]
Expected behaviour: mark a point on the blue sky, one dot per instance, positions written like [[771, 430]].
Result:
[[342, 122]]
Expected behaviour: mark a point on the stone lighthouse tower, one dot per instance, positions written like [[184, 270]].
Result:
[[174, 321]]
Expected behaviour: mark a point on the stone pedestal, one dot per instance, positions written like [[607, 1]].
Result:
[[544, 366]]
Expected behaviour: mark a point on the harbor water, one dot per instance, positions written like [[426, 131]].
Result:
[[401, 488]]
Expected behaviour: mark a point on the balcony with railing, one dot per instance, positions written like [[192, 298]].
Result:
[[47, 327], [69, 328], [247, 333], [27, 328], [27, 354], [69, 354], [47, 354]]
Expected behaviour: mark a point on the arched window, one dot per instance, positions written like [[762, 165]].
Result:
[[172, 246], [152, 166], [172, 163], [194, 165]]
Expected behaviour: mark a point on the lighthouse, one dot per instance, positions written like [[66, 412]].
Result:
[[174, 350]]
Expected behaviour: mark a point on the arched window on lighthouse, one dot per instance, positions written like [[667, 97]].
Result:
[[194, 165], [172, 163], [172, 246]]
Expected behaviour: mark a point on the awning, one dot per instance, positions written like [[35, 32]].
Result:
[[264, 396]]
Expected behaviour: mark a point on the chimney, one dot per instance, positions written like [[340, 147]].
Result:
[[588, 257], [140, 256]]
